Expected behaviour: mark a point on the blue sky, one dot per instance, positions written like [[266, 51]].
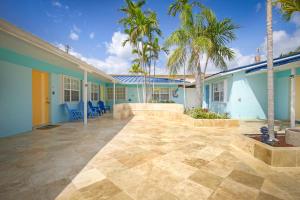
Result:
[[91, 28]]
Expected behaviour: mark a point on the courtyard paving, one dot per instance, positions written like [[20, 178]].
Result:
[[137, 159]]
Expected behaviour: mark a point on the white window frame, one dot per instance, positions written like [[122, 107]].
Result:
[[94, 89], [71, 89], [159, 92], [117, 95], [221, 88]]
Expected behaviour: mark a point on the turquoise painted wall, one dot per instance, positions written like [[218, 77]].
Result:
[[247, 95], [15, 99], [282, 95], [244, 97], [16, 91]]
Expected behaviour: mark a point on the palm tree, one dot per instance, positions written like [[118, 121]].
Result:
[[270, 71], [141, 27], [136, 69], [288, 7], [155, 49], [220, 34], [200, 35]]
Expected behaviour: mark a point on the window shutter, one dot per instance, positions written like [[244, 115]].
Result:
[[225, 91], [61, 89], [89, 91]]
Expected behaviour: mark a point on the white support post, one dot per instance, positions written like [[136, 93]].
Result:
[[293, 98], [85, 86], [184, 95], [114, 93]]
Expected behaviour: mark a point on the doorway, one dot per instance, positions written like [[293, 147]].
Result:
[[40, 98]]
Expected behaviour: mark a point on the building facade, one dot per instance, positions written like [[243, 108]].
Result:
[[242, 92]]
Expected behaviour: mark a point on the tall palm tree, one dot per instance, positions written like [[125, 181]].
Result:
[[288, 7], [201, 35], [270, 71], [155, 49], [220, 34], [136, 69], [140, 26]]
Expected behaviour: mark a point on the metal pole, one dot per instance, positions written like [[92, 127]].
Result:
[[114, 93], [293, 98]]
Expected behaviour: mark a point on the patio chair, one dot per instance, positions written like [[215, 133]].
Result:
[[91, 112], [102, 107], [74, 114], [94, 109]]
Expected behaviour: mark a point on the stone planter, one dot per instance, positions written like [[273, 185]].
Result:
[[173, 112], [292, 136]]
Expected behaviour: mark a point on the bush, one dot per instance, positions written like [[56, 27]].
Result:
[[199, 113]]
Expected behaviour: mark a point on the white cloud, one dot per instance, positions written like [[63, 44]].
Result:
[[92, 35], [118, 60], [76, 29], [283, 42], [57, 4], [258, 7], [73, 35], [296, 19]]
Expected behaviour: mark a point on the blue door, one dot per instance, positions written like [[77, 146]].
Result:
[[207, 95]]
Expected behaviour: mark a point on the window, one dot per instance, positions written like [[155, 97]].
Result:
[[71, 89], [218, 92], [120, 93], [161, 94], [94, 92], [164, 94]]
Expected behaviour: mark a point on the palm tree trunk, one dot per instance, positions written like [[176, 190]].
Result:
[[198, 87], [203, 75], [154, 65], [270, 71]]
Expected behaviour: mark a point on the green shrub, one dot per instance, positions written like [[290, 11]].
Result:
[[199, 113]]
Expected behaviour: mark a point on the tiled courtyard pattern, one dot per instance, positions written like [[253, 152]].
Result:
[[142, 159]]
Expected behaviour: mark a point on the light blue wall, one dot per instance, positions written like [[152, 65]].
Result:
[[15, 99], [16, 91], [282, 95], [247, 95]]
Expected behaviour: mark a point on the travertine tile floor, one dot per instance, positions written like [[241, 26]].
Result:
[[140, 159]]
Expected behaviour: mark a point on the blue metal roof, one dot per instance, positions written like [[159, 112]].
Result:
[[138, 79], [262, 65]]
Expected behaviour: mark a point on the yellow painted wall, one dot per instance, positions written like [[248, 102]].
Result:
[[40, 98], [298, 98]]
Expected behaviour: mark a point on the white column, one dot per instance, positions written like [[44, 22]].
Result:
[[184, 99], [114, 94], [85, 86], [293, 98]]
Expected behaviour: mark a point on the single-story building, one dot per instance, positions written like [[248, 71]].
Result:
[[242, 92], [164, 90], [37, 79]]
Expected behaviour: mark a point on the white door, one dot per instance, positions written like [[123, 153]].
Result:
[[191, 97]]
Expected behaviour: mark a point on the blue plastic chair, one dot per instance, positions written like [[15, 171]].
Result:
[[91, 112], [94, 109], [102, 107], [74, 114]]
